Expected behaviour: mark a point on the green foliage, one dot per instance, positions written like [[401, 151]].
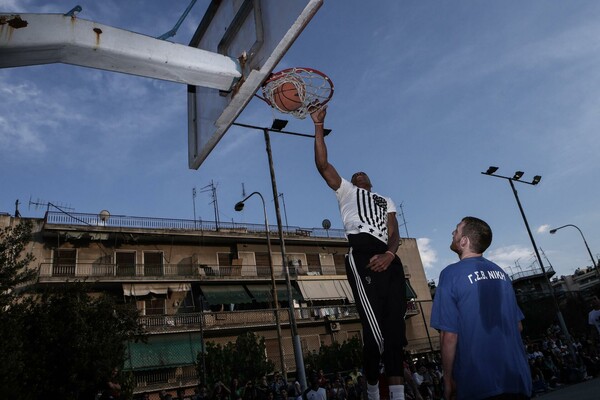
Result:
[[13, 271], [337, 357], [59, 343], [245, 360], [85, 335]]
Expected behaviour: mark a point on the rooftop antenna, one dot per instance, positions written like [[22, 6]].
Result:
[[17, 213], [47, 204], [194, 202], [213, 189], [403, 220], [548, 261]]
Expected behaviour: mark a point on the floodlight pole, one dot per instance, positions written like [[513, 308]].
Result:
[[300, 372], [273, 284], [536, 180]]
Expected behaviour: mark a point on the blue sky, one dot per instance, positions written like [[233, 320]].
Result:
[[427, 96]]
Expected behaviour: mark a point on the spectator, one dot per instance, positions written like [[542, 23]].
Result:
[[594, 315], [355, 374], [315, 391], [220, 392], [423, 382], [112, 387]]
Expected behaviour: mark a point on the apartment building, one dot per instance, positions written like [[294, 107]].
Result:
[[196, 282]]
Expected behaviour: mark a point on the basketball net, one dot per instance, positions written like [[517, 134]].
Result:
[[314, 88]]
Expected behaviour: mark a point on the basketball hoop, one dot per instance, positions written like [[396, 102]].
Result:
[[297, 91]]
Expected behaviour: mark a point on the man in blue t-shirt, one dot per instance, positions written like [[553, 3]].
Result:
[[476, 312]]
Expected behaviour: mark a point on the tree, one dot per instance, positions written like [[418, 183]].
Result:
[[13, 275], [13, 264], [336, 357], [60, 342], [85, 336], [245, 360]]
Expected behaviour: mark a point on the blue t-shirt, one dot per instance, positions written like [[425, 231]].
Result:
[[475, 299]]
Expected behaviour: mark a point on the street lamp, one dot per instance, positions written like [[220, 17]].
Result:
[[277, 127], [239, 206], [536, 179], [553, 231]]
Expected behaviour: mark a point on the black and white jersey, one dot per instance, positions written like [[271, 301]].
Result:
[[363, 211]]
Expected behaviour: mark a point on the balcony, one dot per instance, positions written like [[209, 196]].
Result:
[[532, 274], [141, 272], [247, 319], [93, 222]]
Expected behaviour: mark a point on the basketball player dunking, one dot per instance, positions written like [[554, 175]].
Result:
[[374, 271]]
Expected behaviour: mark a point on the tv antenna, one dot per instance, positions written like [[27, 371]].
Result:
[[213, 189], [47, 204]]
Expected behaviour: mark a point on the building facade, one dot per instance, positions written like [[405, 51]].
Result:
[[195, 282]]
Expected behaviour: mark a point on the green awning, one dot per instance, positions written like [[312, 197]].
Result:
[[262, 293], [410, 292], [164, 351], [225, 294]]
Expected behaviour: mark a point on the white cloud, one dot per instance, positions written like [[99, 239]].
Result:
[[507, 256], [543, 228], [428, 254]]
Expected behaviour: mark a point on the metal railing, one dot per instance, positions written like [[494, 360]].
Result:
[[251, 318], [123, 221], [532, 272], [247, 318], [202, 271]]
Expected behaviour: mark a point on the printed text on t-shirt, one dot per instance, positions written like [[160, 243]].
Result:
[[481, 275]]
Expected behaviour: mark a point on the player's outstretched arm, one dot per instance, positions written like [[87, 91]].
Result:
[[327, 171]]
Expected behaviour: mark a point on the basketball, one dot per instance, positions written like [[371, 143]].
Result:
[[286, 97]]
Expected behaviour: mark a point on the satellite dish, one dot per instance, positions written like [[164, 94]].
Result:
[[104, 215], [326, 224]]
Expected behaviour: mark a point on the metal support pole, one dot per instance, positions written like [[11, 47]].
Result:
[[561, 320], [425, 324], [300, 372], [273, 284]]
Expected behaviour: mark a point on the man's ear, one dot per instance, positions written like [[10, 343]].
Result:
[[465, 243]]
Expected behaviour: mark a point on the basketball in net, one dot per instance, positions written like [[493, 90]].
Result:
[[297, 91]]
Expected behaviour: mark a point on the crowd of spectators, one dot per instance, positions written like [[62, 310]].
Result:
[[550, 359]]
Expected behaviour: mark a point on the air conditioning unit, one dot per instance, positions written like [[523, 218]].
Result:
[[334, 326]]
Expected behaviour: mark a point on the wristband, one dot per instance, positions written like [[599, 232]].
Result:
[[318, 123], [391, 253]]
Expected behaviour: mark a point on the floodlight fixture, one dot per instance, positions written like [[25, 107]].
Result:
[[491, 170], [239, 206], [518, 175], [536, 179], [278, 124]]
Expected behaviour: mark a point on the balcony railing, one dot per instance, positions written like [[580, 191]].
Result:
[[123, 221], [246, 318], [531, 273], [252, 318], [176, 271]]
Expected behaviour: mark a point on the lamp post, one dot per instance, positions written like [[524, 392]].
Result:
[[536, 179], [277, 127], [553, 231], [239, 206]]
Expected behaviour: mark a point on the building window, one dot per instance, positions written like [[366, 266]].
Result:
[[125, 262], [64, 262], [154, 306], [153, 263], [314, 262]]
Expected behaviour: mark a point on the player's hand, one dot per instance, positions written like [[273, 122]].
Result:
[[318, 116], [380, 262]]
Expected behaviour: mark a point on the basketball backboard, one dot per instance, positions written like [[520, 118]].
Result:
[[255, 33]]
